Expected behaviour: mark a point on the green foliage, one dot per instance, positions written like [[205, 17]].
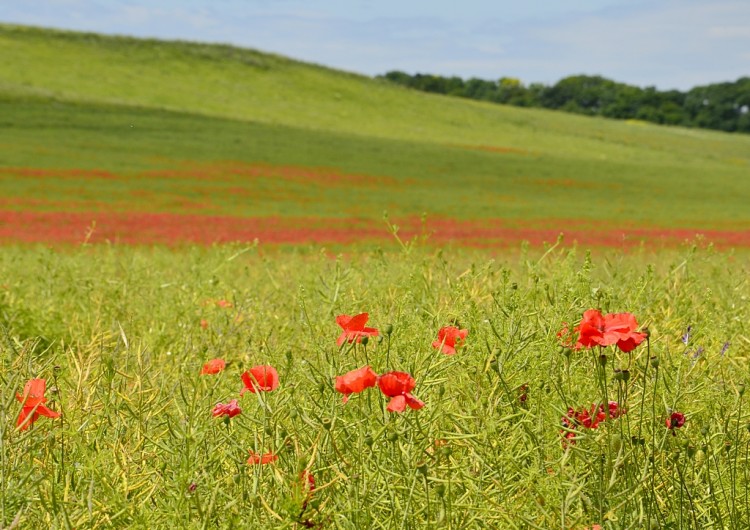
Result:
[[721, 106], [137, 447]]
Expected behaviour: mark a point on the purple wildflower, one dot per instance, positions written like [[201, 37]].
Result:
[[686, 336], [724, 348]]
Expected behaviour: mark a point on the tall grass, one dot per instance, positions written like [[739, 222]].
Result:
[[117, 334]]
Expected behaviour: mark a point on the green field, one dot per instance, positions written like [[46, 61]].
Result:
[[211, 130], [111, 148]]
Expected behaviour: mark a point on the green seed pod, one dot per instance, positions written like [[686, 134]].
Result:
[[440, 490], [422, 468], [293, 413], [327, 424], [392, 437], [368, 440], [655, 362], [603, 360], [741, 389], [388, 329], [364, 340]]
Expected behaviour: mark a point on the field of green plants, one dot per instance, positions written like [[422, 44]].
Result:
[[511, 433], [205, 322]]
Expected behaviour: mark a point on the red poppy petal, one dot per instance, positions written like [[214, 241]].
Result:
[[413, 402], [397, 404]]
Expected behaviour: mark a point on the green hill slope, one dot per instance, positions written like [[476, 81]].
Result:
[[136, 107]]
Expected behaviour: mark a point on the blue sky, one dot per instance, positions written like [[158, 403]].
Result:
[[667, 43]]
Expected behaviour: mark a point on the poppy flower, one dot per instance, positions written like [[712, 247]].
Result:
[[590, 418], [354, 328], [265, 458], [307, 480], [223, 303], [214, 366], [356, 381], [261, 378], [32, 404], [615, 411], [449, 338], [231, 409], [397, 386], [568, 430], [204, 323], [675, 421], [596, 329]]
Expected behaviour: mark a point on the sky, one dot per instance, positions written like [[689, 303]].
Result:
[[663, 43]]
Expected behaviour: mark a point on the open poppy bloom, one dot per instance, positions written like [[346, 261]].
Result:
[[397, 386], [261, 378], [231, 409], [265, 458], [354, 328], [214, 366], [32, 404], [223, 303], [356, 381], [450, 338], [675, 421], [596, 329]]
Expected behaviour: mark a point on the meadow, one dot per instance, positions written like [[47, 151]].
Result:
[[121, 334], [192, 233]]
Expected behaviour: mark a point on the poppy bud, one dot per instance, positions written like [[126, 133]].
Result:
[[364, 340], [655, 362], [646, 332], [268, 430], [704, 430], [192, 487], [293, 413], [690, 451], [441, 391], [368, 440], [626, 375], [289, 355], [326, 424], [514, 286], [389, 329], [440, 490], [741, 389], [422, 468], [602, 360], [392, 437]]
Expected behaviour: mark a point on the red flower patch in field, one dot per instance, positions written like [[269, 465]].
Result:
[[32, 404], [262, 378], [175, 229], [265, 458], [229, 410], [356, 381], [449, 339], [398, 387], [214, 366], [354, 328], [675, 421], [618, 329]]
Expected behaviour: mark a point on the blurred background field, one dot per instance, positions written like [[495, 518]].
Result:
[[94, 126]]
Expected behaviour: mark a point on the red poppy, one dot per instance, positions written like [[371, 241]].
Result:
[[450, 338], [32, 404], [266, 458], [204, 323], [590, 418], [307, 480], [356, 381], [568, 431], [354, 328], [614, 328], [261, 378], [566, 337], [397, 386], [231, 409], [615, 411], [214, 366], [675, 421], [223, 303]]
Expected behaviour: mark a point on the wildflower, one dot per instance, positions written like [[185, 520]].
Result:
[[590, 418], [615, 411], [204, 323], [224, 304], [231, 409], [686, 337], [356, 381], [568, 430], [261, 378], [397, 386], [32, 404], [724, 348], [523, 393], [307, 480], [566, 337], [675, 421], [354, 328], [265, 458], [449, 338], [614, 328], [214, 366]]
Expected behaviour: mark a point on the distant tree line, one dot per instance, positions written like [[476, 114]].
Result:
[[722, 106]]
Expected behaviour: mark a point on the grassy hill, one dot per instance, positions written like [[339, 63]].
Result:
[[92, 123]]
